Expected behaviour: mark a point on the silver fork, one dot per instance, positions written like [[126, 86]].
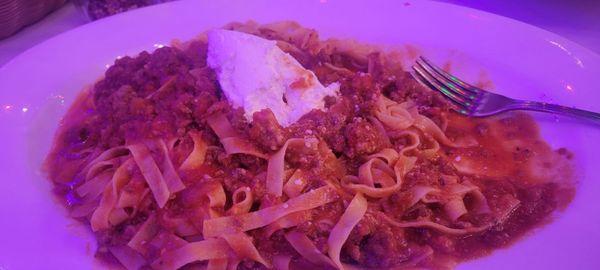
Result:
[[473, 101]]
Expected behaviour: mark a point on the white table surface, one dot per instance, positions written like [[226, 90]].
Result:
[[578, 21]]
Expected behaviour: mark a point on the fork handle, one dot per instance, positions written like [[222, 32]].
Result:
[[553, 108]]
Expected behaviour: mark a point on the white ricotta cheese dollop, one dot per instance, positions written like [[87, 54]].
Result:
[[255, 74]]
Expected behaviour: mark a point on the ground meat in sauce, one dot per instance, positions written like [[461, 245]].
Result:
[[266, 131], [170, 92], [152, 95], [374, 244], [362, 138], [328, 126]]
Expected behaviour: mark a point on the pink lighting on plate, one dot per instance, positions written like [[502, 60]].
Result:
[[569, 88], [568, 52], [59, 98]]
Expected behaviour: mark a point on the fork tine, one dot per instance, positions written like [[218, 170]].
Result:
[[450, 77], [457, 89], [423, 77]]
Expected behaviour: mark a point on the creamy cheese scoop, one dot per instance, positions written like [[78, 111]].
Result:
[[255, 74]]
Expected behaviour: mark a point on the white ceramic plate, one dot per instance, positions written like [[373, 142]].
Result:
[[521, 60]]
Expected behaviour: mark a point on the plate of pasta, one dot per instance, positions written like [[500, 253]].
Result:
[[293, 136]]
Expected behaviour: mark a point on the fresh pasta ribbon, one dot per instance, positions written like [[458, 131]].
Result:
[[282, 262], [196, 158], [288, 221], [143, 158], [253, 220], [242, 201], [107, 155], [144, 234], [128, 257], [432, 225], [213, 248], [217, 264], [295, 184], [401, 116], [276, 168], [389, 155], [393, 115], [244, 248], [171, 176], [376, 178], [100, 217], [340, 232], [307, 249], [231, 140], [93, 187]]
